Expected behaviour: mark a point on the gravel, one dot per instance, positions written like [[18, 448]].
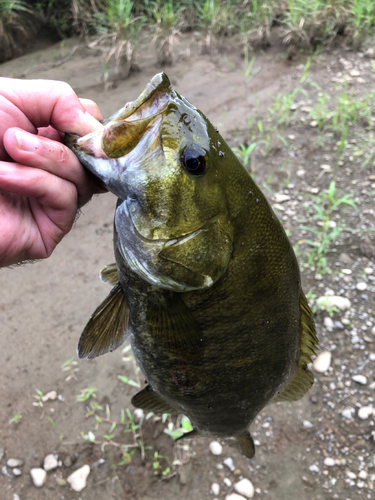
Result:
[[216, 448], [78, 478], [244, 488], [38, 476]]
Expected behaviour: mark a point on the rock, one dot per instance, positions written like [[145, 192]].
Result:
[[4, 471], [78, 478], [345, 259], [14, 462], [351, 475], [139, 415], [322, 362], [52, 395], [354, 72], [361, 286], [328, 323], [216, 448], [38, 476], [50, 462], [348, 413], [234, 496], [61, 481], [16, 497], [325, 167], [365, 412], [244, 488], [368, 270], [68, 461], [227, 482], [360, 379], [17, 472], [329, 462], [215, 488], [314, 468], [280, 197], [314, 123], [229, 463], [328, 301], [363, 474], [307, 424]]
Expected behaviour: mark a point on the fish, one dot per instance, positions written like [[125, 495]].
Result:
[[205, 281]]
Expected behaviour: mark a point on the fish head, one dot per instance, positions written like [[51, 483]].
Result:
[[160, 156]]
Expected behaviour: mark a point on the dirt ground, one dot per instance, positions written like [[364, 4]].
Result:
[[44, 307]]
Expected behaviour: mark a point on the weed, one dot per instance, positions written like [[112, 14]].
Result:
[[39, 398], [177, 431], [56, 426], [86, 394], [15, 17], [16, 419], [248, 66], [329, 231], [128, 381]]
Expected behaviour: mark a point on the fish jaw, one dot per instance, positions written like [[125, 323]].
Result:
[[128, 137]]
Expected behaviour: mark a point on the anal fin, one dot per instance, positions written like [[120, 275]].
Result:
[[148, 399], [296, 387]]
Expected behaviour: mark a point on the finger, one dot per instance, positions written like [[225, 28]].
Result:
[[92, 108], [51, 156], [47, 102]]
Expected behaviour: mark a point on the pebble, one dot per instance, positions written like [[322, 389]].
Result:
[[216, 448], [16, 497], [322, 362], [227, 482], [365, 412], [17, 472], [50, 462], [68, 461], [314, 468], [215, 488], [4, 471], [244, 488], [234, 496], [351, 475], [354, 72], [139, 415], [280, 198], [361, 286], [51, 395], [360, 379], [348, 413], [329, 462], [307, 424], [363, 474], [328, 323], [329, 301], [61, 481], [38, 476], [229, 463], [14, 462], [78, 478], [314, 123], [369, 270]]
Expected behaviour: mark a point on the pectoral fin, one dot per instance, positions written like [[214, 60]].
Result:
[[148, 399], [172, 323], [303, 378], [109, 274], [107, 328]]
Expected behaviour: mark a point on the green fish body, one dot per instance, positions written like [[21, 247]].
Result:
[[206, 281]]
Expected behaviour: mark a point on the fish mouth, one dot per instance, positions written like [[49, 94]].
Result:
[[124, 129]]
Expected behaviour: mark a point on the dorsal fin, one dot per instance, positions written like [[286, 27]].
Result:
[[303, 379], [107, 328], [109, 274]]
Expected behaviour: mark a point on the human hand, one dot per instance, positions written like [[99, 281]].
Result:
[[42, 183]]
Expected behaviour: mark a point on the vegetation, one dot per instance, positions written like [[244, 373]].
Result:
[[306, 24]]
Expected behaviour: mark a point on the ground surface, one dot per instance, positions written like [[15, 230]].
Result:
[[44, 306]]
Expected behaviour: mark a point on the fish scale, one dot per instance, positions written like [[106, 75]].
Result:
[[206, 282]]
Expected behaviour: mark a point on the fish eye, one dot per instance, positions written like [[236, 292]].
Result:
[[193, 159]]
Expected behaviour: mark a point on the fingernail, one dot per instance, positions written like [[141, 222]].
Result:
[[26, 141]]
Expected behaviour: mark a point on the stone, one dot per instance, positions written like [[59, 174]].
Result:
[[52, 395], [351, 475], [16, 497], [314, 468], [215, 488], [14, 462], [280, 197], [314, 124], [234, 496], [61, 481], [348, 413], [322, 362], [361, 286], [216, 448], [227, 482], [328, 301], [365, 412], [139, 415], [368, 270], [78, 478], [307, 424], [38, 476], [363, 474], [17, 472], [329, 462], [50, 462], [360, 379], [4, 471], [328, 323], [68, 461], [228, 462], [244, 488]]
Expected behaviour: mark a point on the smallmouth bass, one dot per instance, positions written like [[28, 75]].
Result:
[[206, 282]]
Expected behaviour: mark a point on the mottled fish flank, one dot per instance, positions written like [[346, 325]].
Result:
[[206, 282]]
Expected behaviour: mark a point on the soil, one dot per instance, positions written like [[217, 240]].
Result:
[[44, 307]]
